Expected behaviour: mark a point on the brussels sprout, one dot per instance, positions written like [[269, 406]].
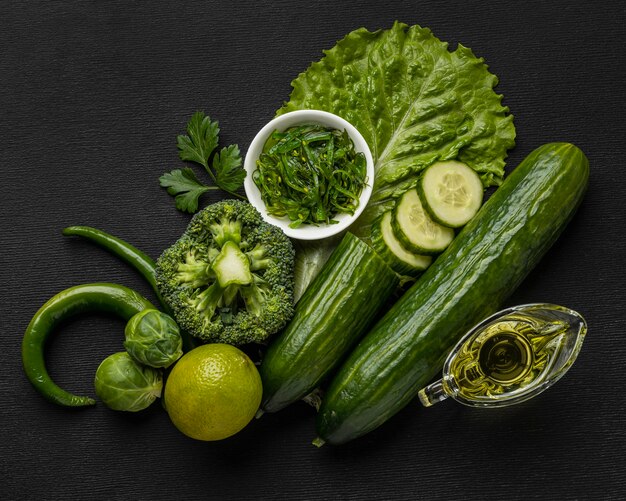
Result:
[[125, 385], [153, 338]]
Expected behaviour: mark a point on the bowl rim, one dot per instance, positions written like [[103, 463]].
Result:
[[282, 122]]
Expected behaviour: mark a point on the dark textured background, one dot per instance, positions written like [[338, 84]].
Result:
[[92, 95]]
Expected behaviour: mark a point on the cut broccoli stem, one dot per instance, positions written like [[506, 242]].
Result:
[[194, 272], [229, 297], [226, 231], [254, 299], [255, 296], [231, 266], [258, 258], [206, 302]]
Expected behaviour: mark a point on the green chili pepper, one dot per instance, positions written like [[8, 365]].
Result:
[[143, 263], [99, 297]]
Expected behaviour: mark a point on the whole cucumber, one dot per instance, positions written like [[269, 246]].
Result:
[[334, 312], [474, 276]]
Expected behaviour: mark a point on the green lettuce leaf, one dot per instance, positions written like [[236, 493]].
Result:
[[415, 103]]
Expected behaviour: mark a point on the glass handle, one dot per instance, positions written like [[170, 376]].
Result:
[[432, 394]]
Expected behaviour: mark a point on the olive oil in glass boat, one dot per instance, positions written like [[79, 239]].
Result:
[[510, 357]]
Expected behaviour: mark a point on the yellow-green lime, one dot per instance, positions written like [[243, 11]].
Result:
[[213, 392]]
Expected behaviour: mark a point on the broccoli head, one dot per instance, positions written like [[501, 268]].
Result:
[[229, 278]]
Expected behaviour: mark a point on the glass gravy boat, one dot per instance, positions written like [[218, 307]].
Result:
[[510, 357]]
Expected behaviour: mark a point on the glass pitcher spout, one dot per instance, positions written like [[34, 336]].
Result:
[[432, 394], [510, 357]]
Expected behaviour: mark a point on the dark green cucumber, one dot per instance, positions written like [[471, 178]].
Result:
[[484, 264], [333, 313]]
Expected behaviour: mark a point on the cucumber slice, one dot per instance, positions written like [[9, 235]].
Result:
[[391, 250], [414, 228], [451, 192]]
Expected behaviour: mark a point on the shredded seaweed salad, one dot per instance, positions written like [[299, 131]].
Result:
[[310, 174]]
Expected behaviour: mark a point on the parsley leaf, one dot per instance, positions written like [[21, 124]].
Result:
[[228, 168], [184, 185], [197, 146], [201, 141]]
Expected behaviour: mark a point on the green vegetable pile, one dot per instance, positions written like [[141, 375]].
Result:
[[310, 173], [439, 136]]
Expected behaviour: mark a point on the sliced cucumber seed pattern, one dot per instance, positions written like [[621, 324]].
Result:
[[423, 223], [452, 190], [451, 193]]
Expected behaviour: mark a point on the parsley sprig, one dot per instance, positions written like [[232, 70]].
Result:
[[225, 169]]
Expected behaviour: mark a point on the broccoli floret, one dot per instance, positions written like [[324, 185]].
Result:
[[229, 278]]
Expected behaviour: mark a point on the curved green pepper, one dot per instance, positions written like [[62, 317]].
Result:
[[143, 263], [98, 297]]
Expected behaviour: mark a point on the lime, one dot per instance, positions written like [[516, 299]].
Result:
[[212, 392]]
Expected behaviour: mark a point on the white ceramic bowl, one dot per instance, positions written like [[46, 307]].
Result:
[[283, 122]]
